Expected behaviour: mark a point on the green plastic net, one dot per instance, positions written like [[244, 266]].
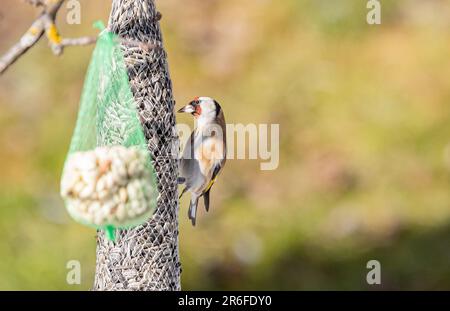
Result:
[[108, 181]]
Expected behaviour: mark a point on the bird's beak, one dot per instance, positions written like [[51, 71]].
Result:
[[189, 108]]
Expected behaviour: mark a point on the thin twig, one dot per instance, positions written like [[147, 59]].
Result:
[[78, 41]]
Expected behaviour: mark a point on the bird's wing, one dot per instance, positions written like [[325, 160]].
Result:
[[221, 151], [216, 172], [205, 192], [187, 163]]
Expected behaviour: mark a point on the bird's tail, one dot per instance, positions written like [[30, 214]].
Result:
[[206, 199], [192, 213]]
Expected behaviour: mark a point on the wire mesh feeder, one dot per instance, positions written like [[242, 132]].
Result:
[[146, 257]]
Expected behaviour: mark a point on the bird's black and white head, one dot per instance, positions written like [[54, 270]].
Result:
[[204, 109]]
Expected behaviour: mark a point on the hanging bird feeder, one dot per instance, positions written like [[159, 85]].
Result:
[[108, 181]]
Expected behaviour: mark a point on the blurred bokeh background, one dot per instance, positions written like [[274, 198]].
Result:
[[364, 114]]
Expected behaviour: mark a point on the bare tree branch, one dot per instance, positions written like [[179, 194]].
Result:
[[33, 34], [45, 23], [52, 7]]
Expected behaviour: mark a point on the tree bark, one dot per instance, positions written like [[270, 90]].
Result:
[[146, 257]]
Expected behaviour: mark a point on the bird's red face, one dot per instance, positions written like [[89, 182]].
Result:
[[194, 107], [204, 108]]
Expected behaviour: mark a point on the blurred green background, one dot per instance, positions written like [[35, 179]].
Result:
[[364, 120]]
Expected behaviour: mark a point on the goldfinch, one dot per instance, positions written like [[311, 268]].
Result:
[[205, 152]]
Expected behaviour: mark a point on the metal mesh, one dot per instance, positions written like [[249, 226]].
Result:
[[146, 257]]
